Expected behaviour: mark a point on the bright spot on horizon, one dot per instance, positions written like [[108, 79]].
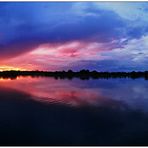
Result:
[[9, 68]]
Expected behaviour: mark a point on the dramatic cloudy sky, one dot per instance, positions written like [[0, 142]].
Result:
[[103, 36]]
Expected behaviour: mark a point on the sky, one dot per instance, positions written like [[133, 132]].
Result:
[[102, 36]]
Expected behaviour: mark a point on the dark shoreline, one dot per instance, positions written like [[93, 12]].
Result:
[[83, 74]]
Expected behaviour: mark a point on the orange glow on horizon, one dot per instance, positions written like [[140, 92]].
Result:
[[8, 68]]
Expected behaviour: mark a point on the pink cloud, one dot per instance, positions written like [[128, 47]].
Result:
[[56, 56]]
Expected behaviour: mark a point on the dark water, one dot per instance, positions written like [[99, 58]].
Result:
[[45, 111]]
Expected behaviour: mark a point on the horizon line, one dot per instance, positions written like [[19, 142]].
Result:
[[86, 70]]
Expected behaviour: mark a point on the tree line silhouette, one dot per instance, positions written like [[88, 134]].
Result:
[[82, 74]]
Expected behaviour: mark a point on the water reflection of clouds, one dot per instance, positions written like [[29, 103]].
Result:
[[132, 92], [56, 91], [112, 92]]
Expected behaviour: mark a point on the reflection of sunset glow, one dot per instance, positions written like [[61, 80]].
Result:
[[4, 80], [57, 91], [76, 92]]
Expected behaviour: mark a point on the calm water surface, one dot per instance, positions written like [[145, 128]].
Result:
[[46, 111]]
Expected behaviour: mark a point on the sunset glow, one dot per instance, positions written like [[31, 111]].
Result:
[[9, 68], [73, 35], [73, 73]]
